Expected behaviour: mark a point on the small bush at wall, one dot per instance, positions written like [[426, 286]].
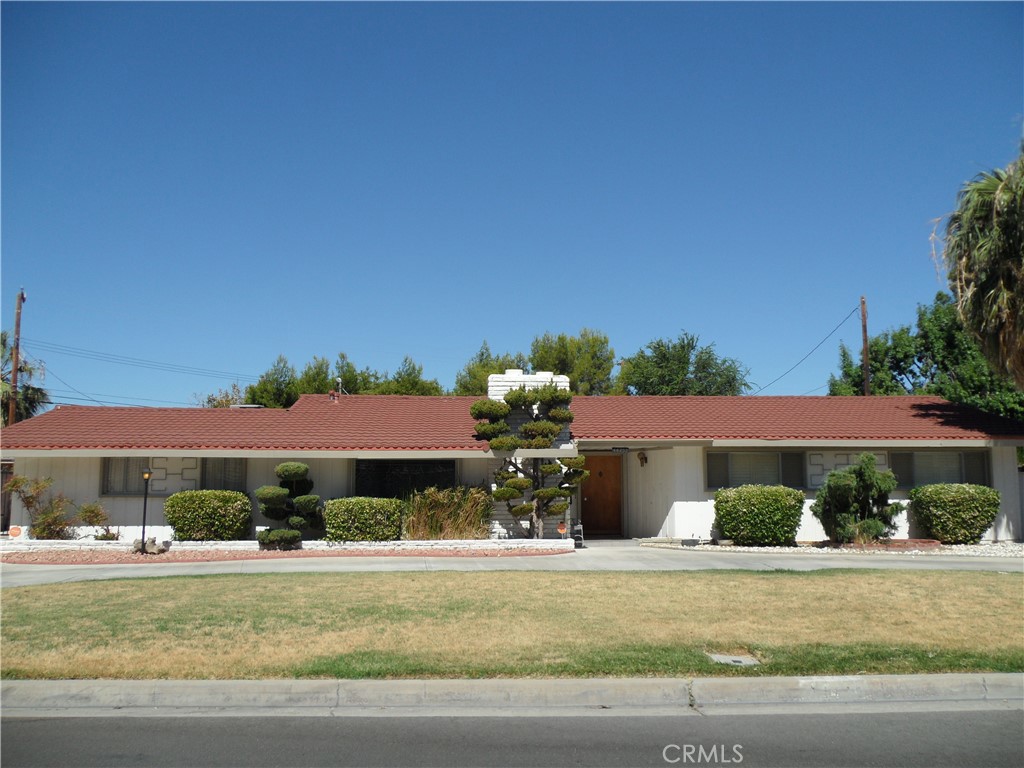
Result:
[[208, 515], [759, 515], [49, 514], [955, 513], [448, 513], [280, 538], [360, 518]]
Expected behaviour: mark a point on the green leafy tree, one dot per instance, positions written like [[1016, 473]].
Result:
[[681, 367], [586, 359], [984, 255], [277, 388], [893, 368], [31, 399], [408, 380], [472, 379], [533, 419], [222, 398], [938, 357], [353, 380], [316, 378]]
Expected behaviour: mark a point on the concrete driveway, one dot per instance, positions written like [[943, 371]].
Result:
[[597, 556]]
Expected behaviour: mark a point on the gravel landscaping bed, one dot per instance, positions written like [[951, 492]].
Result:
[[999, 549], [121, 555]]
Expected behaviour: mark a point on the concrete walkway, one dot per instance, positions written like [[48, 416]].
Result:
[[597, 556]]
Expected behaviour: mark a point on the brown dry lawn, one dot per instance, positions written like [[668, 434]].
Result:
[[500, 624]]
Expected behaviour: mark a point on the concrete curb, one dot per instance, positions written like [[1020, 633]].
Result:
[[76, 698], [857, 689]]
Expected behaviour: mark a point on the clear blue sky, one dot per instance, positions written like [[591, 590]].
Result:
[[212, 185]]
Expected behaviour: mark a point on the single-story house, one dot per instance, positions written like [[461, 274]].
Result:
[[655, 462]]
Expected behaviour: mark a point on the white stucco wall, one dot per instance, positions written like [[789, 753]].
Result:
[[667, 497], [80, 480]]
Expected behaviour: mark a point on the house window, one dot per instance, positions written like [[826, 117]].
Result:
[[734, 468], [396, 479], [927, 467], [122, 476], [223, 475]]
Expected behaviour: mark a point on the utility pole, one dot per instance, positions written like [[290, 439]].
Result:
[[865, 367], [12, 405]]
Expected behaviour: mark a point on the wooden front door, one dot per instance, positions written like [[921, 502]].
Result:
[[601, 508]]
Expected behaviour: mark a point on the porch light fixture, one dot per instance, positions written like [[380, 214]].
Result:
[[642, 458], [146, 474]]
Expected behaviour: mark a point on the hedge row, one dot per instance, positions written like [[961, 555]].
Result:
[[208, 515], [361, 518], [759, 515]]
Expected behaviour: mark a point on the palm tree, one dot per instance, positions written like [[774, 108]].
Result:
[[30, 398], [984, 255]]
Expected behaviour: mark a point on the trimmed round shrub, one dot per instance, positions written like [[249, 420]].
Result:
[[489, 409], [506, 493], [759, 515], [290, 471], [307, 506], [561, 415], [488, 430], [550, 396], [541, 428], [280, 538], [955, 513], [274, 502], [521, 398], [208, 515], [506, 444], [361, 518]]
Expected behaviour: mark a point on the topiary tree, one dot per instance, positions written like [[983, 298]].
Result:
[[853, 503], [290, 500], [530, 419]]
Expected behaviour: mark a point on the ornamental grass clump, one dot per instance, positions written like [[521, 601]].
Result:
[[448, 513], [955, 513]]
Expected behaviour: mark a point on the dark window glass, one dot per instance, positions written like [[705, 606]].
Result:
[[396, 479], [223, 475]]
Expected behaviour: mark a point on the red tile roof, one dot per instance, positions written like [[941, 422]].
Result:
[[314, 423], [398, 423], [785, 418]]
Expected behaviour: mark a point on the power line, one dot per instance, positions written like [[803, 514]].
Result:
[[58, 378], [107, 357], [852, 312], [123, 397]]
